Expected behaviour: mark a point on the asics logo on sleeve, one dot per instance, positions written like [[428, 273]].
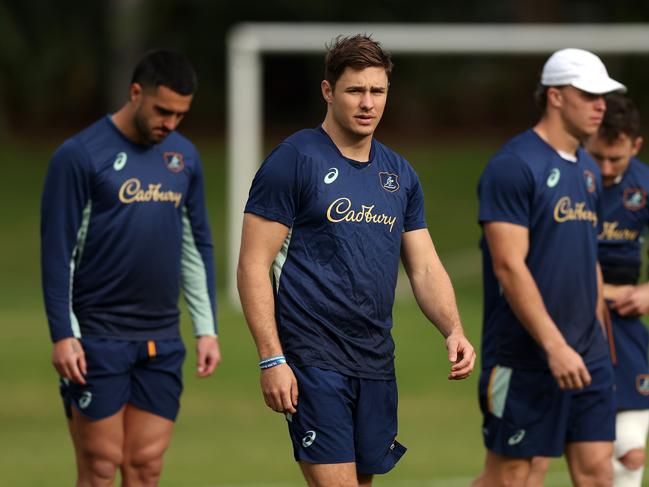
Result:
[[331, 176], [120, 161]]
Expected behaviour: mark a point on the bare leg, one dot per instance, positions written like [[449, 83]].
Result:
[[97, 447], [146, 437], [501, 471], [334, 475], [538, 470], [590, 463]]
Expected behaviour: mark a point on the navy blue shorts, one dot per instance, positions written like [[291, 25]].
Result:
[[526, 414], [146, 374], [631, 371], [343, 419]]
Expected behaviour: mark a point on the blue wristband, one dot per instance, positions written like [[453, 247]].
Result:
[[272, 362]]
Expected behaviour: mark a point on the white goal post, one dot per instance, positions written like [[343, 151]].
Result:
[[247, 43]]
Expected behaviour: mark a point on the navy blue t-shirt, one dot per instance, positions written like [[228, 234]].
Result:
[[625, 217], [527, 183], [123, 226], [336, 273]]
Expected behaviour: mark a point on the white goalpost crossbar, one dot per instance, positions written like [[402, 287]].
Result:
[[248, 42]]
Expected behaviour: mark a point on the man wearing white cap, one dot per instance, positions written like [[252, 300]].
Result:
[[546, 386]]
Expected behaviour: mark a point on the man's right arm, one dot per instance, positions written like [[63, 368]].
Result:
[[261, 241], [64, 208], [508, 245]]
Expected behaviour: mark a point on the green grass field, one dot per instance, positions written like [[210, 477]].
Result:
[[225, 435]]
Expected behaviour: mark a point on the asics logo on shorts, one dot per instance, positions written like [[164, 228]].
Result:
[[516, 438], [331, 176], [85, 400], [308, 439]]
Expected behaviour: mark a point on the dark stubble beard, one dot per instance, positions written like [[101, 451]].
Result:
[[144, 132]]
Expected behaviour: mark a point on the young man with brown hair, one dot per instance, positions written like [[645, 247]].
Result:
[[546, 385], [333, 210]]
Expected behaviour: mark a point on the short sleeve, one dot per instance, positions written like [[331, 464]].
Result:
[[506, 190], [274, 193], [415, 218]]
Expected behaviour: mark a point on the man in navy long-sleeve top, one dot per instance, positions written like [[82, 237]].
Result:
[[124, 226]]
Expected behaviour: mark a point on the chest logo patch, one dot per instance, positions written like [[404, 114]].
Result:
[[174, 161], [553, 178], [331, 176], [634, 199], [642, 384], [120, 161], [589, 179], [389, 181]]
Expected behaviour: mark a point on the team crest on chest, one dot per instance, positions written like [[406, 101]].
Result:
[[589, 179], [174, 161], [634, 199], [389, 181], [642, 384]]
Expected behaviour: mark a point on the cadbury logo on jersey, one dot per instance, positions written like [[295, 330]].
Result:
[[564, 211], [132, 192], [341, 210], [634, 199], [174, 161], [389, 181]]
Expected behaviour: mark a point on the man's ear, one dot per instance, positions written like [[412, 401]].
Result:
[[554, 97], [637, 145], [135, 92], [327, 91]]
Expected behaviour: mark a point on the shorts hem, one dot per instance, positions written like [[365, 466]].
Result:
[[150, 410], [530, 454]]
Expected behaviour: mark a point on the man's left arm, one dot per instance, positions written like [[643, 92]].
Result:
[[197, 276], [434, 294]]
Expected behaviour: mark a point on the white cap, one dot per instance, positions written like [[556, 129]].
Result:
[[581, 69]]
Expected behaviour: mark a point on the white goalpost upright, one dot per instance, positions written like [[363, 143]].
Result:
[[248, 42]]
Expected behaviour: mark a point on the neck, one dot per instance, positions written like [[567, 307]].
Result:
[[556, 136], [352, 146], [124, 120]]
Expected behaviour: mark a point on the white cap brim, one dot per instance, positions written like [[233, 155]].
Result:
[[600, 86]]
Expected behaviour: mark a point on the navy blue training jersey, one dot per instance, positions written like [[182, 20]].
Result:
[[336, 273], [625, 216], [122, 226], [527, 183]]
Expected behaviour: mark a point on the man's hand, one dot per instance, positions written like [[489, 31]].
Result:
[[208, 355], [461, 354], [634, 301], [568, 368], [279, 386], [69, 360]]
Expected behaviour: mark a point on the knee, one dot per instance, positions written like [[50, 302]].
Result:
[[598, 474], [144, 464], [100, 464], [633, 459], [511, 477]]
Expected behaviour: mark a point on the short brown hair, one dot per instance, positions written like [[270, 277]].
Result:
[[357, 52], [621, 118]]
